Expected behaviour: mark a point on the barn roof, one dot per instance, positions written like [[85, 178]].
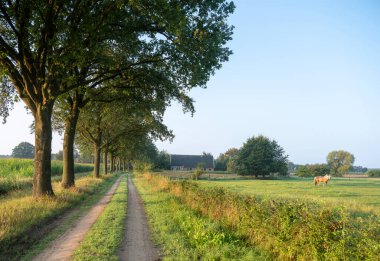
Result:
[[191, 161]]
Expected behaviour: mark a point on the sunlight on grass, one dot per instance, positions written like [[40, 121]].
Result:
[[185, 235], [355, 194], [104, 239], [19, 211]]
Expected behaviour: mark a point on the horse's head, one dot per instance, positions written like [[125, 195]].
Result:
[[329, 177]]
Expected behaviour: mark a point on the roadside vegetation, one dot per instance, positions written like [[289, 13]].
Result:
[[16, 174], [22, 216], [373, 173], [184, 234], [289, 228], [104, 239]]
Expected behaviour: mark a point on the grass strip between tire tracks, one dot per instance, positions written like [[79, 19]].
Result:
[[104, 239], [184, 235]]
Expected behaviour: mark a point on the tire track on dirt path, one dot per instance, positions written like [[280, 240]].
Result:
[[63, 247], [137, 240]]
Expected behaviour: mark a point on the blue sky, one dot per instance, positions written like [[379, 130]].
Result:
[[305, 73]]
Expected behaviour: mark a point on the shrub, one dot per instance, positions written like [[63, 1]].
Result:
[[312, 170], [199, 171], [373, 173]]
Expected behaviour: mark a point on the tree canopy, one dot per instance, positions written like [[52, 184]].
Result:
[[157, 49], [261, 156], [23, 150], [340, 161]]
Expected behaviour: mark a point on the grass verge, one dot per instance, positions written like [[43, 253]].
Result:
[[102, 242], [23, 219], [185, 235], [290, 229]]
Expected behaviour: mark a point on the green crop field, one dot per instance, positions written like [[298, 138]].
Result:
[[25, 167], [361, 193]]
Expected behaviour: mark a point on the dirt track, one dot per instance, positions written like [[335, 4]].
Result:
[[63, 247], [137, 243]]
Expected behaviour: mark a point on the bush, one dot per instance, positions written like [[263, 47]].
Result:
[[199, 171], [312, 170], [373, 173]]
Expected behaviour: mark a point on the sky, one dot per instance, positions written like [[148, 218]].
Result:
[[304, 73]]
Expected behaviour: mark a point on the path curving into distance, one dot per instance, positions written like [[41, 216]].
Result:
[[63, 247], [137, 240]]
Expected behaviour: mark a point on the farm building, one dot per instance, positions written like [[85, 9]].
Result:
[[190, 162]]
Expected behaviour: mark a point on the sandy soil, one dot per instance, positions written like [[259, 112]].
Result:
[[63, 247], [137, 243]]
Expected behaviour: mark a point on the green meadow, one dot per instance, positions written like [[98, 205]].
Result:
[[359, 193]]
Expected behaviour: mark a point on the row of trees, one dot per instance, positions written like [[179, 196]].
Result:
[[258, 156], [337, 163], [103, 72]]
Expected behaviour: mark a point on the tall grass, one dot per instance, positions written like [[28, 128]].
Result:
[[21, 214], [183, 234], [24, 168], [17, 173], [290, 228]]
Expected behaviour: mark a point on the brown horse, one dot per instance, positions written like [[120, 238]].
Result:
[[320, 179]]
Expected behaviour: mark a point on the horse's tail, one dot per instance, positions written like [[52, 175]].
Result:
[[315, 181]]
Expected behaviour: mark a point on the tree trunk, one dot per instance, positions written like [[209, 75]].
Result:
[[112, 163], [97, 145], [105, 160], [68, 175], [42, 157]]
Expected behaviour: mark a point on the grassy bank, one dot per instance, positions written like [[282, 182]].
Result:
[[183, 234], [21, 216], [102, 242], [289, 228]]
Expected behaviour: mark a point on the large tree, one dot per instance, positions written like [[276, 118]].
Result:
[[23, 150], [49, 48], [226, 161], [340, 161], [261, 156]]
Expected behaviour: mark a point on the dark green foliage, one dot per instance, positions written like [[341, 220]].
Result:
[[226, 161], [261, 156], [162, 161], [24, 150], [358, 169], [373, 173], [312, 170]]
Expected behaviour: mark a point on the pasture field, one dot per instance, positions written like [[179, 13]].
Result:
[[361, 194]]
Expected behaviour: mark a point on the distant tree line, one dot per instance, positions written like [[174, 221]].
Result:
[[337, 163]]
